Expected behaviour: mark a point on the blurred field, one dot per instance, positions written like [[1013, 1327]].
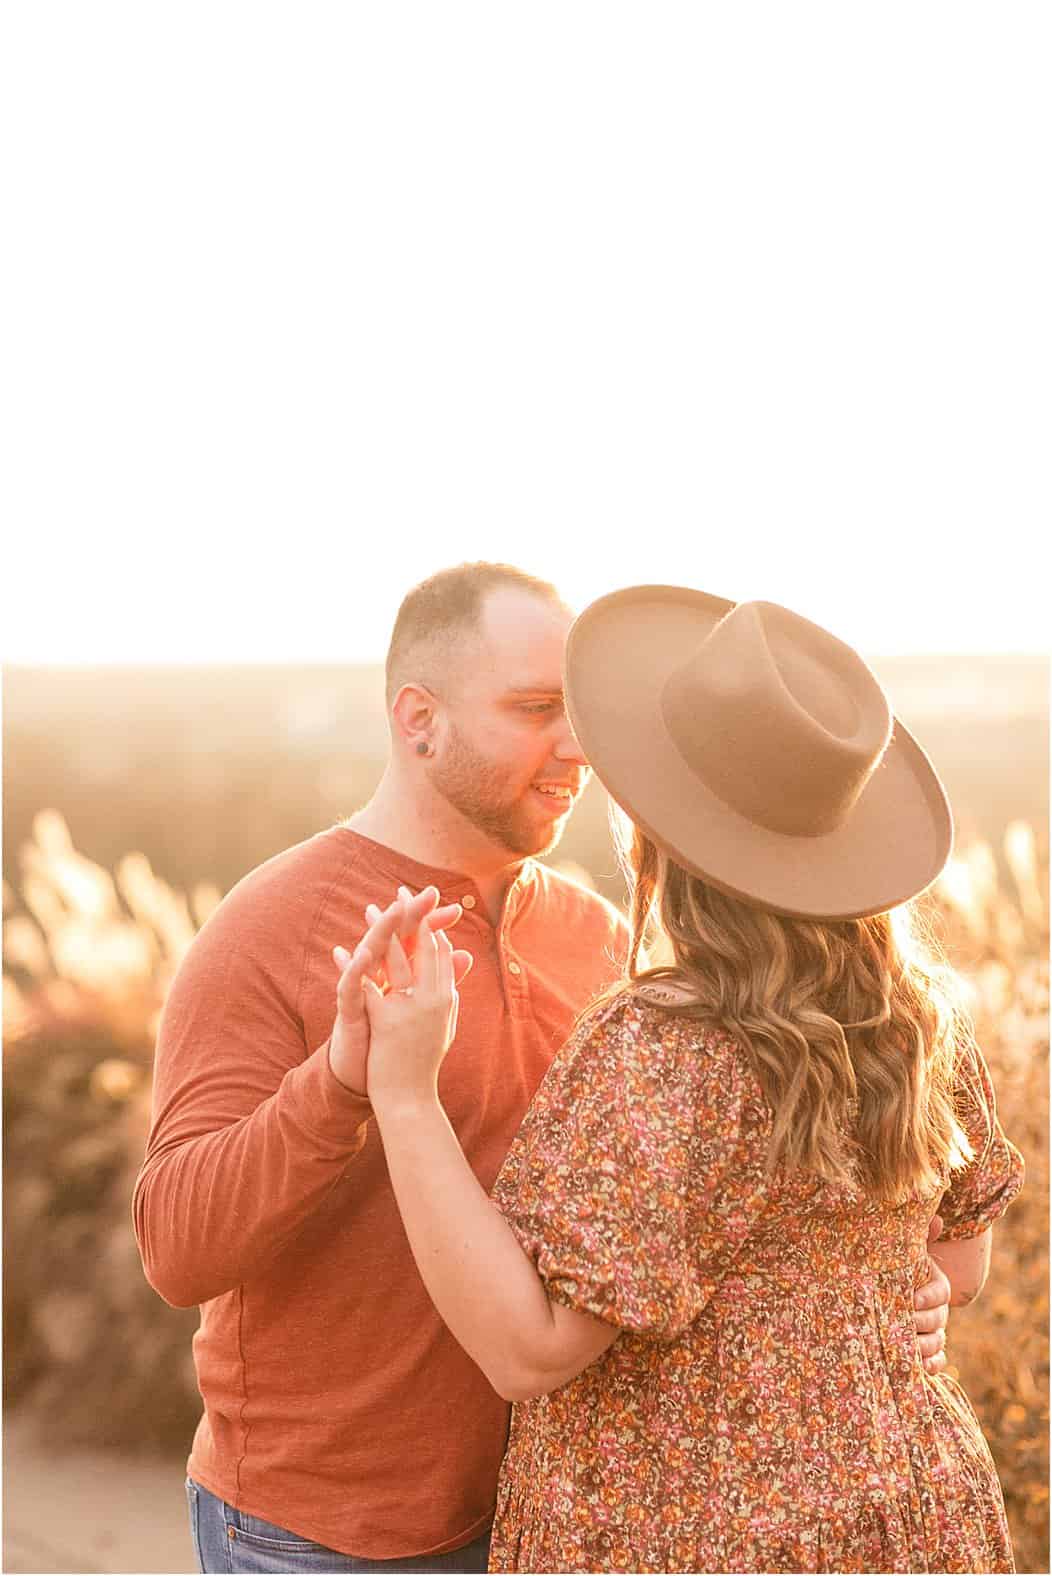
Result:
[[93, 934], [210, 770]]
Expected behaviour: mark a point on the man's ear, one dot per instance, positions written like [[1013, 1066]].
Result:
[[413, 712]]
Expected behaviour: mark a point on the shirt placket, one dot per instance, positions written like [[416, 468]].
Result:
[[514, 970]]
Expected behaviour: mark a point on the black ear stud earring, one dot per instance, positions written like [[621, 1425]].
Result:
[[423, 748]]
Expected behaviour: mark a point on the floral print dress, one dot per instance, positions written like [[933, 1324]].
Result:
[[765, 1407]]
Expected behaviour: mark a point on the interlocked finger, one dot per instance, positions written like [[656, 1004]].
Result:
[[399, 970], [383, 924], [447, 981], [445, 964], [352, 971]]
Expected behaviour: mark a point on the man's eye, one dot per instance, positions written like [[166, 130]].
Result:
[[537, 707]]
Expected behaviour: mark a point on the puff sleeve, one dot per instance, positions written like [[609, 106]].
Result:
[[639, 1168], [981, 1191]]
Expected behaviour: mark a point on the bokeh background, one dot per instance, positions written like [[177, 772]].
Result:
[[304, 303]]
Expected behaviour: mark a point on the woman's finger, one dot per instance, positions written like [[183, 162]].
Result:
[[383, 924], [399, 972], [414, 908], [444, 964], [425, 953]]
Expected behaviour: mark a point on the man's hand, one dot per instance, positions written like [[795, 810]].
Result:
[[931, 1304], [349, 1042]]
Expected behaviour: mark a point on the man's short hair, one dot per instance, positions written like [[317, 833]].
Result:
[[441, 610]]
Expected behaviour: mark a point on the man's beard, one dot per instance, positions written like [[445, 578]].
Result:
[[475, 786]]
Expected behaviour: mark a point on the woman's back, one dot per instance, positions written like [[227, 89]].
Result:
[[766, 1407]]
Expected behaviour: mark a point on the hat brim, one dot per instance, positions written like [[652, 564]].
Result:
[[619, 655]]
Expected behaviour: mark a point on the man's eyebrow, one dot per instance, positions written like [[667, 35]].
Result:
[[534, 689]]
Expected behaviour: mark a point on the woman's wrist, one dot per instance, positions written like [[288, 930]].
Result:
[[401, 1105]]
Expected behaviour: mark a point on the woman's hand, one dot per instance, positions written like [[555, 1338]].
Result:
[[411, 1025], [349, 1042]]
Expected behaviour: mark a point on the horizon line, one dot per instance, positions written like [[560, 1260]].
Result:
[[189, 664]]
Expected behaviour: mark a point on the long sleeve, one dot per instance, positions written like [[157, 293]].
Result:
[[250, 1128]]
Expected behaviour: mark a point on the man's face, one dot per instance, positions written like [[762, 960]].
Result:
[[507, 759]]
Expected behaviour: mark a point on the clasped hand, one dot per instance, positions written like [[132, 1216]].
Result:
[[397, 999]]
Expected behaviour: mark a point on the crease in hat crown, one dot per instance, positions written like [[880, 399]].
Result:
[[642, 699], [781, 720]]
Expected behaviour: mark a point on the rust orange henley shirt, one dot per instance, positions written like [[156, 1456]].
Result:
[[337, 1404]]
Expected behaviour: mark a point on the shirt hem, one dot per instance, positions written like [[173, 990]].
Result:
[[322, 1536]]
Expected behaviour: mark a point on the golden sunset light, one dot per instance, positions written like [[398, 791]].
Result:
[[494, 1081]]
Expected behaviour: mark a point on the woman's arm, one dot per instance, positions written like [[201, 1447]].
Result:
[[966, 1263], [478, 1277], [480, 1280]]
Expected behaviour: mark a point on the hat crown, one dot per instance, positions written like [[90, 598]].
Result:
[[781, 720]]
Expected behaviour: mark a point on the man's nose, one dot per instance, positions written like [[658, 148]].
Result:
[[566, 745]]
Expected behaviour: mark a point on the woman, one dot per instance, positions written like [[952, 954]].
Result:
[[698, 1279]]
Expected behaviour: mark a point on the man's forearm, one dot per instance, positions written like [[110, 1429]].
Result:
[[212, 1209]]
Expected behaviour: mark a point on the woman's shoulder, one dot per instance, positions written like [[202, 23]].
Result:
[[665, 991], [661, 1023]]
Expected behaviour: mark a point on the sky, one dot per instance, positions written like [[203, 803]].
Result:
[[305, 302]]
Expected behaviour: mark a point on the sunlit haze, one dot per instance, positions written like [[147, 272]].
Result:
[[307, 302]]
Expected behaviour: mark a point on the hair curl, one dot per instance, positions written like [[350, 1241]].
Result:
[[854, 1027]]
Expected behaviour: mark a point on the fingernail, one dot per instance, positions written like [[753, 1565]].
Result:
[[371, 911], [341, 954]]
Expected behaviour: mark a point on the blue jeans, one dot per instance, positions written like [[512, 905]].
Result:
[[231, 1540]]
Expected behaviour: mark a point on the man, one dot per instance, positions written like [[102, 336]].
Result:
[[344, 1428]]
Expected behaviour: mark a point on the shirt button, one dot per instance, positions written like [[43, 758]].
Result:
[[467, 901], [514, 968]]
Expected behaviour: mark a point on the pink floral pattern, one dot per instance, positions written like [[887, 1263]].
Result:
[[765, 1408]]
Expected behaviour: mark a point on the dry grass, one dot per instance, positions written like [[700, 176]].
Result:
[[88, 959], [997, 934]]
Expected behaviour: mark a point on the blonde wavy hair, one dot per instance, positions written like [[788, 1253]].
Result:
[[855, 1027]]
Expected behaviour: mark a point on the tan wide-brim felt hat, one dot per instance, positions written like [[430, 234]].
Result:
[[756, 749]]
